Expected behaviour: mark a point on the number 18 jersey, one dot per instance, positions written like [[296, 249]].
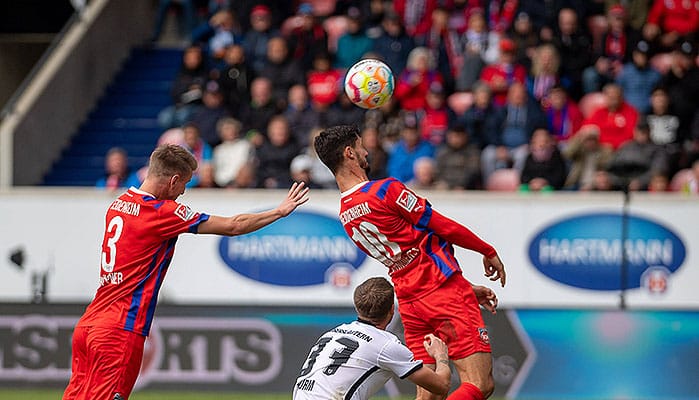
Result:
[[389, 222], [352, 362]]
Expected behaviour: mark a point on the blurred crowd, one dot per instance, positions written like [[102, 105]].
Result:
[[489, 94]]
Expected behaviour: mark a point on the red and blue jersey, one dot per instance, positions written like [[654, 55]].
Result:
[[138, 245], [392, 224]]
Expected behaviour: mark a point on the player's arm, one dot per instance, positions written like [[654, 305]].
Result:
[[245, 223], [461, 236], [438, 380], [486, 298]]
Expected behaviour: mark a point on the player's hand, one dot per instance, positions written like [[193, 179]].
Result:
[[494, 269], [298, 194], [486, 298], [436, 348]]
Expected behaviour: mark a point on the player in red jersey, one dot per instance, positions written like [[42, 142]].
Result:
[[400, 229], [141, 229]]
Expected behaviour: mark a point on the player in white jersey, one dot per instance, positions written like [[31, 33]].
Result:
[[353, 361]]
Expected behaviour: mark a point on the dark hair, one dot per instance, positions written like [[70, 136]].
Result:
[[331, 143], [170, 159], [373, 299]]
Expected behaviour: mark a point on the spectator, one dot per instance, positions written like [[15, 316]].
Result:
[[508, 145], [502, 74], [562, 114], [343, 112], [233, 156], [664, 127], [670, 22], [659, 183], [307, 39], [424, 174], [616, 120], [638, 78], [207, 178], [206, 117], [200, 149], [320, 175], [234, 79], [434, 118], [445, 45], [116, 167], [186, 90], [482, 118], [414, 82], [354, 43], [612, 52], [300, 115], [416, 15], [500, 15], [525, 38], [410, 147], [259, 111], [458, 161], [545, 169], [586, 157], [574, 48], [394, 45], [682, 84], [223, 25], [693, 184], [544, 72], [257, 37], [275, 154], [281, 70], [324, 83], [474, 55], [637, 160], [377, 157], [301, 171]]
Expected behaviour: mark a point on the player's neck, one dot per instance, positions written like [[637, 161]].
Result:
[[350, 178]]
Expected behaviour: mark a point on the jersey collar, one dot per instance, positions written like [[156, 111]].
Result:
[[353, 189]]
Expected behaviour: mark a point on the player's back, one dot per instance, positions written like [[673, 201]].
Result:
[[138, 244], [389, 222], [352, 361]]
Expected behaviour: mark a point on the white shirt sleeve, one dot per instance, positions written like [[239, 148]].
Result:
[[395, 357]]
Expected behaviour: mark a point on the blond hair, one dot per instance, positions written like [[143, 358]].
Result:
[[171, 159]]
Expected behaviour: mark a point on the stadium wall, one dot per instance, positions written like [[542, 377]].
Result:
[[239, 314]]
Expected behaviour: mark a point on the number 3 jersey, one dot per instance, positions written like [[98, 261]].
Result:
[[352, 362], [138, 245], [389, 222]]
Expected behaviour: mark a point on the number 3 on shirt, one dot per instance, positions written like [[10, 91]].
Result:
[[375, 242], [109, 258]]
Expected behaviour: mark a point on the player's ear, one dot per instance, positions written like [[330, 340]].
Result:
[[174, 179], [349, 152]]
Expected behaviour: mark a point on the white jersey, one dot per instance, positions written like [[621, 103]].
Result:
[[352, 362]]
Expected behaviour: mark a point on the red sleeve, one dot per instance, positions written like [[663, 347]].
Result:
[[655, 13], [176, 218], [459, 235]]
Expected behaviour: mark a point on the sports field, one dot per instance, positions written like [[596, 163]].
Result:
[[17, 394]]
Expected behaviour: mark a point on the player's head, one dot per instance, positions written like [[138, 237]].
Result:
[[373, 300], [337, 143], [171, 165]]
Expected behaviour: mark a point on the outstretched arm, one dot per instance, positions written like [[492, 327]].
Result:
[[245, 223]]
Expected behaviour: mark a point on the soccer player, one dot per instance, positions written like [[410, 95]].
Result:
[[353, 361], [400, 229], [141, 229]]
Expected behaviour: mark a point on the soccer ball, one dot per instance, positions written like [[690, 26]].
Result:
[[369, 83]]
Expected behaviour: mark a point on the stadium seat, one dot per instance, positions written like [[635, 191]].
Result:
[[590, 102], [503, 180], [460, 102]]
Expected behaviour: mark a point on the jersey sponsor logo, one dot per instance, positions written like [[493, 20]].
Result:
[[586, 251], [300, 250], [407, 200], [184, 212]]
